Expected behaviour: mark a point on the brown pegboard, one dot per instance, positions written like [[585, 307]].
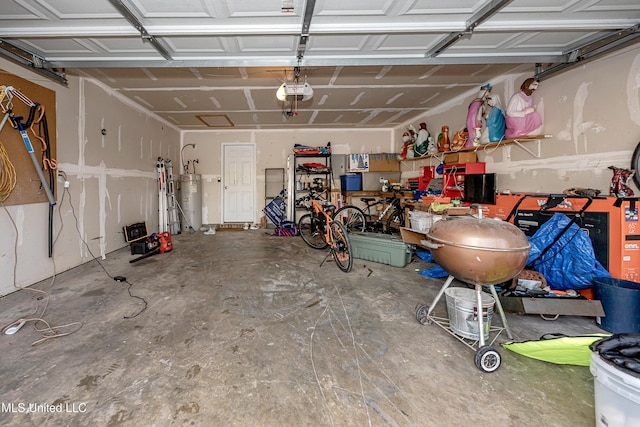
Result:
[[28, 188]]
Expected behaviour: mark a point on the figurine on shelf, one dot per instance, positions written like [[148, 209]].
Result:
[[407, 147], [620, 182], [414, 133], [494, 123], [521, 118], [459, 140], [433, 146], [475, 114], [444, 144], [423, 142]]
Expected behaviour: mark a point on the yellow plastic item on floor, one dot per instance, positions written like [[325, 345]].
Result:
[[558, 349]]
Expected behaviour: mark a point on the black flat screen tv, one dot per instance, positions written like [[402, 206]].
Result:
[[480, 188]]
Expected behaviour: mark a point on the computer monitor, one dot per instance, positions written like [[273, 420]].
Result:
[[480, 188]]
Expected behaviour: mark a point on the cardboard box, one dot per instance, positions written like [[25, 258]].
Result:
[[462, 157], [384, 162], [461, 210], [412, 237]]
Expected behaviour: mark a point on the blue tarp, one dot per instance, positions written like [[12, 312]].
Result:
[[570, 263], [433, 272]]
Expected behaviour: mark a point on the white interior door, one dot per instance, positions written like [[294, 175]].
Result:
[[238, 171]]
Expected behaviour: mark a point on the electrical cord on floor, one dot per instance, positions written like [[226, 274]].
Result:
[[48, 332], [135, 296], [116, 278]]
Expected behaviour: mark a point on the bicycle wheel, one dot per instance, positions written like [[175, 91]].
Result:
[[351, 217], [341, 247], [395, 221], [310, 228]]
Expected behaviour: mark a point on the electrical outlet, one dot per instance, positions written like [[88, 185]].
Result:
[[66, 184]]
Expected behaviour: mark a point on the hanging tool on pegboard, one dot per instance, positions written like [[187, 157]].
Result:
[[7, 93]]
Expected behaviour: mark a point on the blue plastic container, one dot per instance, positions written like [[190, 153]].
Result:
[[621, 303], [417, 194], [351, 182]]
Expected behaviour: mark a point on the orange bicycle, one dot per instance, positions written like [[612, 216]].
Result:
[[319, 230]]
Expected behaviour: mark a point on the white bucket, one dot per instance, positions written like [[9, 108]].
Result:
[[420, 224], [462, 309], [420, 221], [617, 394]]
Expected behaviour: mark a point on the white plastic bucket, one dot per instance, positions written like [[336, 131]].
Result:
[[462, 309], [617, 394], [420, 221]]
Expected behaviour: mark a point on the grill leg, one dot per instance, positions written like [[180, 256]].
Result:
[[501, 311], [440, 292], [480, 316]]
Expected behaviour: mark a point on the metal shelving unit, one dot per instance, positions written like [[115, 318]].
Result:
[[306, 177]]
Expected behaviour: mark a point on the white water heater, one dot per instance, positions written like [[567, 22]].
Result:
[[191, 201]]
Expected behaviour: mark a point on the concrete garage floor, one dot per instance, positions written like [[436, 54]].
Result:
[[246, 329]]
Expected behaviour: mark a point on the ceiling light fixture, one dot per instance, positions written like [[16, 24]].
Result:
[[291, 93], [295, 90], [302, 92]]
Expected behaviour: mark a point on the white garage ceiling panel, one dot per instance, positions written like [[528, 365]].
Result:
[[371, 63]]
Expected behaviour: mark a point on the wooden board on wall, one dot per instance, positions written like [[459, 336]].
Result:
[[28, 187]]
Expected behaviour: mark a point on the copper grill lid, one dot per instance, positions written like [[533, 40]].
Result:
[[478, 233]]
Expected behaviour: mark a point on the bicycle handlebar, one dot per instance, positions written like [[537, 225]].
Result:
[[396, 190], [314, 194]]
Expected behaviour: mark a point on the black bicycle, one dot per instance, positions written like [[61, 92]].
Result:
[[389, 221]]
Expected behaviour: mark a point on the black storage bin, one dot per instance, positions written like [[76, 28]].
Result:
[[621, 303]]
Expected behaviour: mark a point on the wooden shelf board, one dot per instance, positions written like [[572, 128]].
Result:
[[482, 146]]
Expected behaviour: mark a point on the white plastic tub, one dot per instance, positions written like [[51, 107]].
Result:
[[617, 394], [420, 221]]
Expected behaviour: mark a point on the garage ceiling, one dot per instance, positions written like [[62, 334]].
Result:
[[211, 64]]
